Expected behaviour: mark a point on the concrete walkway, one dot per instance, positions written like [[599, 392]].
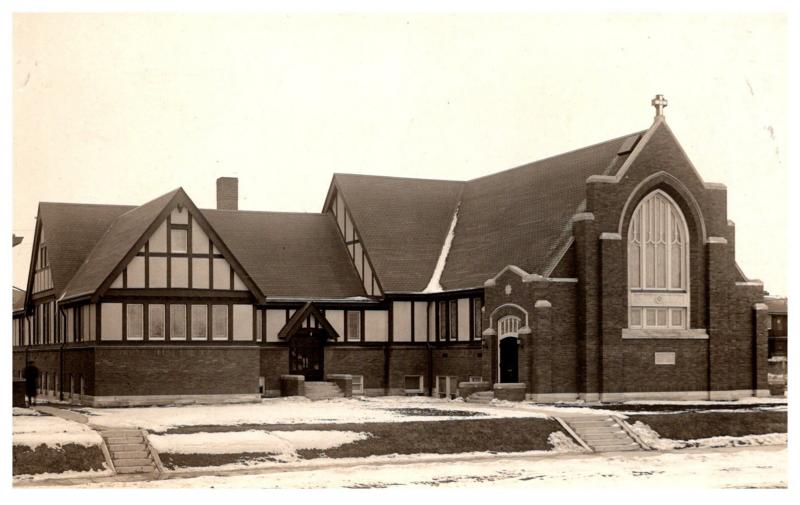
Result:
[[62, 413]]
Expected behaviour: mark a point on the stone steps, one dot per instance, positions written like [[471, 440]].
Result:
[[129, 451], [602, 433], [322, 390]]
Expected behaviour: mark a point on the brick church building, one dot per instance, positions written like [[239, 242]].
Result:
[[604, 274]]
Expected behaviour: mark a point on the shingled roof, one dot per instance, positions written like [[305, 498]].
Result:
[[71, 230], [117, 241], [402, 224], [516, 217], [291, 255], [522, 216]]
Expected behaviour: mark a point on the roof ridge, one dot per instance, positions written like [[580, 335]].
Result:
[[566, 153], [397, 177], [267, 212]]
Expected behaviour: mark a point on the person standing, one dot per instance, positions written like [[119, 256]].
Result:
[[31, 374]]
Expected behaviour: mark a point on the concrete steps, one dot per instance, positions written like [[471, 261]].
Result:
[[129, 451], [322, 390], [481, 397], [602, 433]]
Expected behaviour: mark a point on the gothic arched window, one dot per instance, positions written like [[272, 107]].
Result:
[[658, 265]]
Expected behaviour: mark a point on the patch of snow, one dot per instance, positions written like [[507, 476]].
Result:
[[19, 411], [654, 440], [712, 468], [280, 443], [294, 410], [52, 431], [561, 442], [319, 439], [434, 285]]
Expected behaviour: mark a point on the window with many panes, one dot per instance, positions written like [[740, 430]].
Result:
[[353, 326], [658, 264]]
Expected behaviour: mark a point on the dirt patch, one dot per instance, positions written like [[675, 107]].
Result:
[[44, 459], [694, 425]]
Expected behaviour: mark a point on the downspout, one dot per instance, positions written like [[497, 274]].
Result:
[[62, 337], [430, 353]]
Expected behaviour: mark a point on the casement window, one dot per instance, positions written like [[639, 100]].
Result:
[[477, 319], [199, 322], [358, 384], [353, 326], [658, 265], [155, 322], [219, 322], [178, 240], [442, 320], [134, 313], [177, 322], [453, 319]]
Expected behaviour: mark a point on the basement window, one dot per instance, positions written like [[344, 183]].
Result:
[[358, 384], [413, 384]]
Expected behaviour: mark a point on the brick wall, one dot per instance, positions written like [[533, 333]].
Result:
[[173, 370]]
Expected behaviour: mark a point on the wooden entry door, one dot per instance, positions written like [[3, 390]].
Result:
[[509, 360], [307, 354]]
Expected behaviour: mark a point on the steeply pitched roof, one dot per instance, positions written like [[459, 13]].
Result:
[[117, 241], [402, 223], [292, 255], [71, 230], [522, 216]]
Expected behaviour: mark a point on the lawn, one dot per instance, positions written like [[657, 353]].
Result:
[[697, 425], [377, 439]]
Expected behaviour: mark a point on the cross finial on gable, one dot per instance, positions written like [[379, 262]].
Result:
[[659, 102]]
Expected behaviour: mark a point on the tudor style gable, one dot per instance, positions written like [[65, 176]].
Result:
[[164, 244], [179, 255], [355, 246]]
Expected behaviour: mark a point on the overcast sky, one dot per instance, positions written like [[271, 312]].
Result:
[[119, 108]]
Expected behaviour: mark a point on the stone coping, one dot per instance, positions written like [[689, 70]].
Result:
[[510, 385]]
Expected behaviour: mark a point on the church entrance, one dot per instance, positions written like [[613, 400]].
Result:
[[508, 349], [509, 360], [307, 353]]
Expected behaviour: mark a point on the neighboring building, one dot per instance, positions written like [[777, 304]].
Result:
[[778, 326], [605, 273]]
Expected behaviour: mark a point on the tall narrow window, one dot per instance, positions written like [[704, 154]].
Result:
[[155, 330], [453, 317], [135, 318], [219, 317], [353, 326], [658, 261], [177, 322], [199, 322]]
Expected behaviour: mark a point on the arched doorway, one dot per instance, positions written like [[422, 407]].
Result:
[[508, 349]]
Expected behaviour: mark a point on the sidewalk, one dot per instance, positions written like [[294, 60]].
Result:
[[373, 463]]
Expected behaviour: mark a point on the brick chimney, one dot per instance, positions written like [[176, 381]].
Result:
[[227, 193]]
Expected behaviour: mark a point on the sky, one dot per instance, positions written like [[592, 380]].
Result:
[[121, 108]]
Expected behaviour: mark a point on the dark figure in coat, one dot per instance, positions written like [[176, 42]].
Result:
[[31, 375]]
